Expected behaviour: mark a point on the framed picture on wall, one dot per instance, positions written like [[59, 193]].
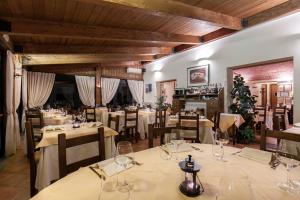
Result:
[[280, 88], [148, 88], [198, 75], [288, 88]]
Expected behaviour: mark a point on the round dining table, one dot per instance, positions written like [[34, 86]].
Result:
[[243, 175]]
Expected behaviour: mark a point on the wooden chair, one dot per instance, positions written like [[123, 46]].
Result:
[[279, 135], [90, 114], [279, 113], [193, 120], [261, 113], [37, 123], [130, 129], [160, 117], [116, 120], [216, 120], [160, 131], [64, 143], [32, 155]]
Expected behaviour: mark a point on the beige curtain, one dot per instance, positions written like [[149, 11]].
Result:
[[24, 97], [109, 88], [13, 90], [137, 90], [39, 87], [86, 89]]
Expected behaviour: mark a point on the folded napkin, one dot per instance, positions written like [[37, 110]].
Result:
[[94, 125], [113, 168], [256, 155], [53, 128]]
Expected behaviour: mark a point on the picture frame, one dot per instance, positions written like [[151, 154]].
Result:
[[148, 88], [198, 75], [288, 88]]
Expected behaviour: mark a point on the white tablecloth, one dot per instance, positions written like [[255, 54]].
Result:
[[228, 119], [291, 146], [205, 129], [47, 170], [158, 179]]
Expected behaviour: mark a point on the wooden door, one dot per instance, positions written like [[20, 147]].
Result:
[[273, 95], [264, 92]]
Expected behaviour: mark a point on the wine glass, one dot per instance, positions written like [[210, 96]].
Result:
[[124, 157], [284, 157], [220, 139]]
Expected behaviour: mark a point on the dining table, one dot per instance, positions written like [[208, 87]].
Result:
[[269, 119], [55, 117], [229, 119], [292, 147], [47, 170], [205, 128], [246, 175]]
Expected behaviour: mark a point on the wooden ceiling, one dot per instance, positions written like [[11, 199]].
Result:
[[62, 32]]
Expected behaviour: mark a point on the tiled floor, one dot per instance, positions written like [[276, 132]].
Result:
[[14, 173]]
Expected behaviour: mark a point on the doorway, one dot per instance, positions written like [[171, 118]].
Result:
[[270, 81], [167, 89]]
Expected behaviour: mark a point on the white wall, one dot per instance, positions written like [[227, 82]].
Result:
[[268, 41]]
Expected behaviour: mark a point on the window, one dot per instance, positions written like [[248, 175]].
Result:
[[64, 93], [123, 96]]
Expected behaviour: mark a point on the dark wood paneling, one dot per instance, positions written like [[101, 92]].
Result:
[[120, 73]]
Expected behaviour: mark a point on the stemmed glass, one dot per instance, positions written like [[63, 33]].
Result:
[[220, 139], [283, 156], [124, 157]]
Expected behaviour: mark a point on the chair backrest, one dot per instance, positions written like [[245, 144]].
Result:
[[30, 153], [115, 119], [279, 118], [90, 114], [261, 112], [161, 131], [131, 115], [194, 119], [160, 117], [279, 135], [36, 117], [216, 120], [64, 143]]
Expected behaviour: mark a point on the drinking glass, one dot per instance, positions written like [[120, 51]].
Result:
[[124, 157], [283, 156], [220, 139]]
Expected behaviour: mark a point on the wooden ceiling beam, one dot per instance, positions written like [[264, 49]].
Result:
[[182, 47], [72, 68], [82, 49], [175, 8], [223, 32], [46, 59], [74, 31], [283, 9]]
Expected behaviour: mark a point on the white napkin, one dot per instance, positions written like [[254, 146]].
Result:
[[53, 128], [113, 168], [263, 157]]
